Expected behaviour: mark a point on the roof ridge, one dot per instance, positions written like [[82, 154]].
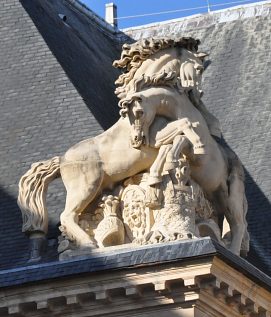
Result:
[[82, 8], [218, 16]]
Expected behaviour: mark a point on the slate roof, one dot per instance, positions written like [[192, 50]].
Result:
[[57, 88]]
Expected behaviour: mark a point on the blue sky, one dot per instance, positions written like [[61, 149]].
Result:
[[136, 7]]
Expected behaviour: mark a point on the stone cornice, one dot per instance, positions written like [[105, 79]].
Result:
[[124, 258], [205, 282]]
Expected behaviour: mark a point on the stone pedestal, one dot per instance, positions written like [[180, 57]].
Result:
[[181, 279]]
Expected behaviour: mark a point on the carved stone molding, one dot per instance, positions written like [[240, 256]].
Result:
[[200, 287]]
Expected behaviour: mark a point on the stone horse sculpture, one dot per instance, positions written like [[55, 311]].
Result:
[[94, 165]]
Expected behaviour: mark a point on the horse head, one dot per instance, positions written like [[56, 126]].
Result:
[[138, 59], [137, 108]]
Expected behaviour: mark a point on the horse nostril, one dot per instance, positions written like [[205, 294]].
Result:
[[138, 114]]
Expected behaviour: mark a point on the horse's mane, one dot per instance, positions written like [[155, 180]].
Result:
[[133, 55], [168, 79], [163, 79]]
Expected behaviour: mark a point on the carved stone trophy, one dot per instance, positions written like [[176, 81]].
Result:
[[174, 180]]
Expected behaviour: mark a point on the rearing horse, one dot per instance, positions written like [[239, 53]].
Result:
[[94, 164], [218, 171]]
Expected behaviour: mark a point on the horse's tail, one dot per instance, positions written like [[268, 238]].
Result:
[[32, 194]]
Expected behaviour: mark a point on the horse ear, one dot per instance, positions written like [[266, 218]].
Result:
[[201, 55]]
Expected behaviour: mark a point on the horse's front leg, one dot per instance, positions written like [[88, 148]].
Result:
[[179, 143], [156, 169], [181, 127], [187, 128]]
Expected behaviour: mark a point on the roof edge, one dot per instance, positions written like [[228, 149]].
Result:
[[262, 8], [163, 253], [92, 15]]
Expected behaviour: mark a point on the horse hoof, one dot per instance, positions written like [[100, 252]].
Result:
[[243, 253], [199, 150], [88, 245], [234, 251], [34, 260], [152, 180]]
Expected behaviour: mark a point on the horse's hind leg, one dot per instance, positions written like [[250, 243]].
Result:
[[236, 216], [227, 201], [82, 182]]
